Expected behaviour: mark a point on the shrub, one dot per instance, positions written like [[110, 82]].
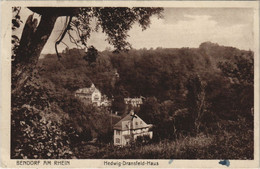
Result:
[[36, 133]]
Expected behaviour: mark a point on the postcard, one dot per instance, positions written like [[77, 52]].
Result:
[[130, 84]]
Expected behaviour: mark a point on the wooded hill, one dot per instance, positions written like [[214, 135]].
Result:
[[187, 90]]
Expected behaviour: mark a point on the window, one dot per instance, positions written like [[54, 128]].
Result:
[[96, 97], [117, 132], [136, 123], [117, 140], [125, 132]]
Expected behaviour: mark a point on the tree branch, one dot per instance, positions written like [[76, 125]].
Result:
[[74, 41], [62, 36], [56, 11]]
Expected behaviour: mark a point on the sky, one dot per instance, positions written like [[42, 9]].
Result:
[[180, 27]]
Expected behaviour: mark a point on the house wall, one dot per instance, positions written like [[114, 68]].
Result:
[[96, 97], [135, 102], [143, 132], [126, 132], [138, 128], [137, 123], [126, 125], [151, 134], [117, 135], [89, 95], [122, 141], [86, 99]]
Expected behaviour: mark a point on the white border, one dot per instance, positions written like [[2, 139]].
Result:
[[6, 81]]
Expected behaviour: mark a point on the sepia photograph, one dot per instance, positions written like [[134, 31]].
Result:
[[133, 82]]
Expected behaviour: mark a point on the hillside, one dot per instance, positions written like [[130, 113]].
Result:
[[206, 90]]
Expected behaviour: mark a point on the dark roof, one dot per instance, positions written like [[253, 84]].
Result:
[[86, 90], [128, 118]]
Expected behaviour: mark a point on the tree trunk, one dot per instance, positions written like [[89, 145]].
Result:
[[32, 42]]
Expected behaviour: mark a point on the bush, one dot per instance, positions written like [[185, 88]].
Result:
[[36, 132], [142, 140]]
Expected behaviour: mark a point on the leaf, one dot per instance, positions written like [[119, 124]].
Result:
[[15, 23]]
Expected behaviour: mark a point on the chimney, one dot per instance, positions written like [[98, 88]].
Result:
[[132, 112]]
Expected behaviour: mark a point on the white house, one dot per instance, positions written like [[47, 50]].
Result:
[[129, 128], [89, 95], [105, 102], [135, 102]]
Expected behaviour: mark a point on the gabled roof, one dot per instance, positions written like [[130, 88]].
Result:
[[128, 118], [88, 91]]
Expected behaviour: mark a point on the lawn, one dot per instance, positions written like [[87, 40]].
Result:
[[226, 145]]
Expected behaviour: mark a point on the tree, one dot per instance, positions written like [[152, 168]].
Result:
[[114, 22], [149, 111], [196, 101], [91, 55], [118, 104], [240, 73]]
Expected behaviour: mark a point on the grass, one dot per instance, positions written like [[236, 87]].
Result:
[[181, 148], [233, 143]]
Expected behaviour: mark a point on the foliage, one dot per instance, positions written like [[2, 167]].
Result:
[[16, 20], [142, 140], [240, 73], [232, 140], [35, 131], [166, 78], [164, 149], [196, 102], [118, 104], [91, 55], [15, 43], [116, 22], [214, 103]]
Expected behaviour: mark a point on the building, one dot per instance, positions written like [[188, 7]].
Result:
[[89, 95], [135, 102], [106, 103], [129, 128]]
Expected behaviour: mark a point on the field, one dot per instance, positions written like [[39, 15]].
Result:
[[225, 145]]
